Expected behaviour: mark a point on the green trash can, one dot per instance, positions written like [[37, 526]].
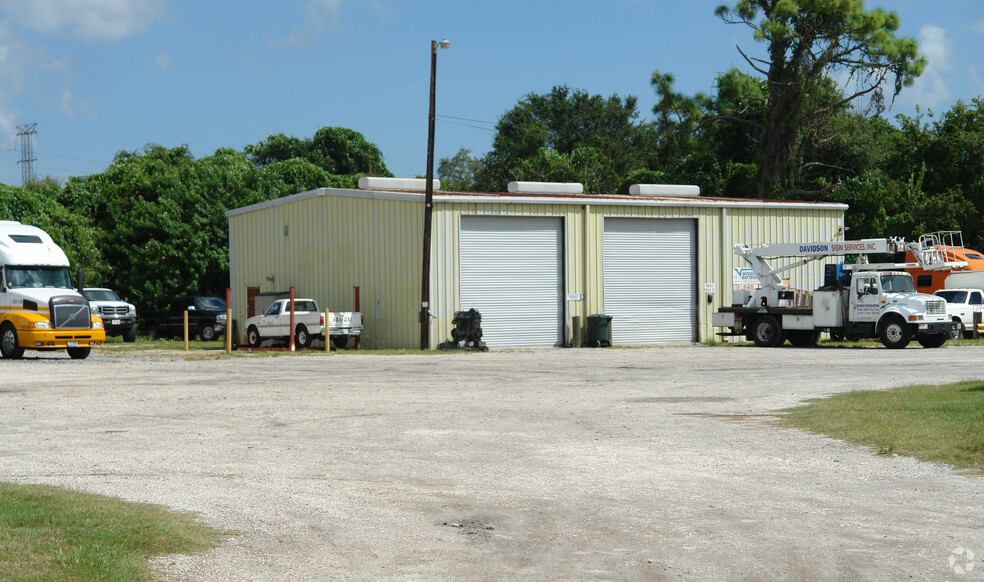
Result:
[[599, 330]]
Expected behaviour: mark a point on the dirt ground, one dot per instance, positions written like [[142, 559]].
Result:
[[557, 464]]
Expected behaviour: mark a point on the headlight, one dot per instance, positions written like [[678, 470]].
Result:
[[39, 325], [220, 317], [97, 325], [916, 317]]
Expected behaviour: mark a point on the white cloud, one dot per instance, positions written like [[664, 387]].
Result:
[[89, 20], [72, 107], [322, 15], [977, 26], [163, 61], [930, 90], [934, 43]]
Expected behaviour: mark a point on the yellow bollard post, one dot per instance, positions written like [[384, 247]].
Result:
[[186, 329], [228, 329]]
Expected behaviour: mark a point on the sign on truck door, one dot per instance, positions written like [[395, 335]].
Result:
[[866, 298]]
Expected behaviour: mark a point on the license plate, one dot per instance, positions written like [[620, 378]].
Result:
[[116, 322], [923, 326], [73, 344]]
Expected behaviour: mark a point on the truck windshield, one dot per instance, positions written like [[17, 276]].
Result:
[[100, 295], [50, 277], [210, 303], [952, 296], [897, 284]]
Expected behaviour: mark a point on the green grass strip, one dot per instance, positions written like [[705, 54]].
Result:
[[53, 534], [941, 424]]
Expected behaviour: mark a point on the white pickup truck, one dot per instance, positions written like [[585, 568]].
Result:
[[961, 305], [309, 323]]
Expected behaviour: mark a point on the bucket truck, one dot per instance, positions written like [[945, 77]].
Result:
[[856, 301]]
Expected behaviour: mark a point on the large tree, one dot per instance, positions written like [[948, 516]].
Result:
[[336, 150], [807, 42], [568, 135]]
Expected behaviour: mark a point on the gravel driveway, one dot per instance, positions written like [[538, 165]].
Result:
[[557, 464]]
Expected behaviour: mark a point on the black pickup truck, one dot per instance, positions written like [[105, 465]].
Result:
[[206, 318]]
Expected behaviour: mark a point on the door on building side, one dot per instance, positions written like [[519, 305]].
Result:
[[511, 270], [649, 270]]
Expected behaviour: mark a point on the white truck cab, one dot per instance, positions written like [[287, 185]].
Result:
[[40, 307]]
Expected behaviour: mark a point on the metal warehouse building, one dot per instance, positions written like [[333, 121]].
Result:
[[535, 265]]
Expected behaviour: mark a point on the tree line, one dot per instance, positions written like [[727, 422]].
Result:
[[153, 224]]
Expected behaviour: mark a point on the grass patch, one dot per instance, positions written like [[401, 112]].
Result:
[[50, 533], [941, 424]]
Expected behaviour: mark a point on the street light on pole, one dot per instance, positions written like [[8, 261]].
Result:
[[429, 202]]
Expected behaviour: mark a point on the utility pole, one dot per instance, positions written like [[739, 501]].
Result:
[[25, 132]]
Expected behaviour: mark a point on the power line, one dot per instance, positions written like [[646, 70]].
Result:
[[467, 119], [467, 125]]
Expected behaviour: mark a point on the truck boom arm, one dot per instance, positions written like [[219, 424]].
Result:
[[925, 252]]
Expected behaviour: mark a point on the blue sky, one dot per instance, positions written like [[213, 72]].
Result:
[[103, 76]]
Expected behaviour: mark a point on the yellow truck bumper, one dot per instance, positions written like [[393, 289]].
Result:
[[60, 338]]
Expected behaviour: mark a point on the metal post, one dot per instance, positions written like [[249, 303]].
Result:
[[291, 336], [428, 209], [228, 327]]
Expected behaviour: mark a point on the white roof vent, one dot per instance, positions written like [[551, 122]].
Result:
[[370, 183], [546, 188], [664, 190]]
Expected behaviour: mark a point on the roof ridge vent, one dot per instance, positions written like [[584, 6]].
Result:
[[545, 188], [664, 190], [378, 183]]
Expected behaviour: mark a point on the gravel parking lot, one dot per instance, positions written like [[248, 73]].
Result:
[[560, 464]]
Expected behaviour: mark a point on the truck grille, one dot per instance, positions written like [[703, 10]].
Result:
[[936, 307], [113, 310], [70, 312]]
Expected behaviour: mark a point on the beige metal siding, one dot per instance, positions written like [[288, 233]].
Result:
[[339, 239], [332, 245]]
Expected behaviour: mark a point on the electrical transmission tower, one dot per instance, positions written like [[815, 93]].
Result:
[[26, 133]]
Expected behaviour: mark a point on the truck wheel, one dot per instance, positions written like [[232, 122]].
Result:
[[207, 333], [895, 333], [79, 353], [253, 337], [766, 332], [152, 333], [9, 347], [803, 338], [958, 330], [933, 341], [130, 335], [302, 339]]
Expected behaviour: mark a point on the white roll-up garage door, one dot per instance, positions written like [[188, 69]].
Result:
[[511, 271], [650, 279]]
